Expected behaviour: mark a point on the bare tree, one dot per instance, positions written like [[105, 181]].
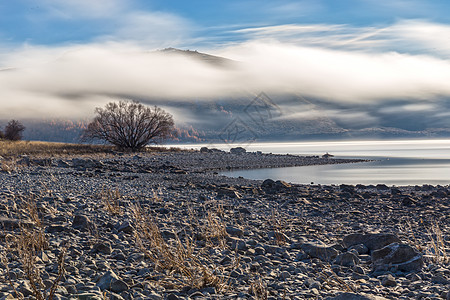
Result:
[[14, 130], [129, 125]]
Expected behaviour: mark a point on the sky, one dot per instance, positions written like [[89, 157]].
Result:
[[62, 58]]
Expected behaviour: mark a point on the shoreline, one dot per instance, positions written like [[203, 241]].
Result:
[[122, 219]]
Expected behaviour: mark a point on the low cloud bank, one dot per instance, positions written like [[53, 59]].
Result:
[[69, 81]]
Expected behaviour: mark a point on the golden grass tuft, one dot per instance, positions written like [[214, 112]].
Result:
[[24, 247], [111, 200], [436, 245], [182, 265]]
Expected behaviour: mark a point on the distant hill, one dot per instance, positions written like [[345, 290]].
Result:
[[207, 58]]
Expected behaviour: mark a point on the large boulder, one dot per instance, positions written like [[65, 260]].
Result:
[[271, 186], [372, 241], [400, 256], [238, 150]]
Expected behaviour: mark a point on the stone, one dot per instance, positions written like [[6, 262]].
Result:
[[347, 259], [238, 244], [372, 241], [230, 192], [270, 186], [81, 222], [118, 286], [11, 224], [102, 247], [440, 279], [105, 282], [238, 150], [322, 252], [88, 296], [172, 296], [388, 281], [234, 231], [353, 296], [408, 201], [285, 275], [400, 256], [360, 248], [204, 150], [125, 227]]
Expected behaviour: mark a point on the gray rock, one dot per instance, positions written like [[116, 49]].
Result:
[[172, 296], [88, 296], [400, 256], [285, 275], [347, 259], [11, 224], [440, 279], [81, 222], [388, 281], [102, 247], [125, 227], [238, 150], [108, 280], [239, 245], [118, 286], [360, 248], [372, 241], [234, 231], [353, 296], [322, 252], [274, 186]]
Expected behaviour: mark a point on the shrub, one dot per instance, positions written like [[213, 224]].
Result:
[[129, 125]]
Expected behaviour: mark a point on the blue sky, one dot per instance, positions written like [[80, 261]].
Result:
[[64, 57], [53, 22]]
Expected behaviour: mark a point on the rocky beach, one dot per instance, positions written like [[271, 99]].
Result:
[[166, 225]]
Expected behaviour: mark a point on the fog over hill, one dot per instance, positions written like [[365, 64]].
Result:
[[248, 113]]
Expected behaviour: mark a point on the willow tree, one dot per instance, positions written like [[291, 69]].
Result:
[[129, 125]]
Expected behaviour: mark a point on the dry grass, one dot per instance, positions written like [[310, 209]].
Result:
[[432, 244], [24, 247], [277, 224], [258, 288], [8, 166], [215, 229], [49, 149], [111, 200], [14, 149], [436, 248], [179, 260]]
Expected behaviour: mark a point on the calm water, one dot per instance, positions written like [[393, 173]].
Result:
[[405, 162]]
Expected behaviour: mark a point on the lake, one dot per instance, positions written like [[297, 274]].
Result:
[[400, 162]]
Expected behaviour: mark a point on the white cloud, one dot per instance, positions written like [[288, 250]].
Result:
[[405, 36]]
